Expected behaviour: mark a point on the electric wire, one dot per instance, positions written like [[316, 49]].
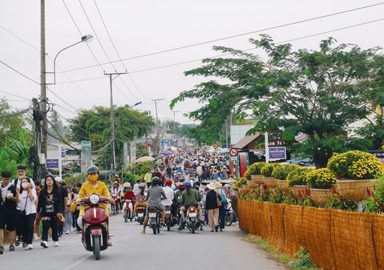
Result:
[[9, 93], [18, 72], [239, 35]]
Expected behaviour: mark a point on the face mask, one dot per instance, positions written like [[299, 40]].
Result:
[[93, 178], [24, 185]]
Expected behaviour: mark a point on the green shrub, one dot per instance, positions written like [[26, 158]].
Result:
[[375, 203], [254, 169], [355, 165], [268, 169], [298, 176], [240, 183], [281, 172], [321, 178]]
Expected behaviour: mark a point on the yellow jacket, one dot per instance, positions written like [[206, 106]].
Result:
[[87, 189]]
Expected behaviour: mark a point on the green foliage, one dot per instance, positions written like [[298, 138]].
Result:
[[318, 93], [281, 172], [335, 202], [303, 260], [355, 165], [375, 203], [268, 169], [254, 169], [94, 125], [239, 183], [321, 178], [298, 176]]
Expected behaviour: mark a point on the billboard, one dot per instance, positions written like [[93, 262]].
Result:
[[277, 153]]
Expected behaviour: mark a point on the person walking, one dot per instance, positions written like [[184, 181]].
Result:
[[223, 200], [27, 205], [50, 209], [68, 214], [212, 203]]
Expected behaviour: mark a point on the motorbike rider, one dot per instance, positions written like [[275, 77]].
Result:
[[140, 196], [169, 193], [93, 186], [154, 197], [190, 198], [129, 196], [116, 192]]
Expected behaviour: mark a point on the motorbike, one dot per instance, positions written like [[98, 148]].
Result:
[[192, 222], [115, 206], [95, 231], [128, 210], [154, 219], [140, 212], [230, 215]]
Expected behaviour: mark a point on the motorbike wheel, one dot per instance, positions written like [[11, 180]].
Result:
[[154, 229], [168, 227], [125, 218], [141, 221], [228, 219], [96, 247], [193, 227]]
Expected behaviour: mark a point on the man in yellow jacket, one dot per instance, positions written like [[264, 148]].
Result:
[[92, 186]]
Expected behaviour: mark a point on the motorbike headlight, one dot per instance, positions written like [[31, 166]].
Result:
[[94, 199]]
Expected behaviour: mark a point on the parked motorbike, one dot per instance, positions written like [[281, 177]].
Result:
[[154, 219], [128, 210], [95, 225], [140, 212], [230, 215]]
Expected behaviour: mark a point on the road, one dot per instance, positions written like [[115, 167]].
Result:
[[133, 250]]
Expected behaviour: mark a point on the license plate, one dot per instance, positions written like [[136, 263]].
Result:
[[140, 214], [167, 212], [193, 214], [152, 215]]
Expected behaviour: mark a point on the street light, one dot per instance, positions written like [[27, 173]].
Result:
[[136, 104], [86, 38]]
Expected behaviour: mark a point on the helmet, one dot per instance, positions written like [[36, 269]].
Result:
[[187, 184], [168, 183], [92, 169], [155, 180], [181, 185]]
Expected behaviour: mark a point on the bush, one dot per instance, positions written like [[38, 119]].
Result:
[[355, 165], [281, 172], [239, 183], [254, 169], [321, 178], [375, 203], [298, 176], [268, 169]]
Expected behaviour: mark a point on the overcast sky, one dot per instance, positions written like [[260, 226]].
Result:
[[143, 27]]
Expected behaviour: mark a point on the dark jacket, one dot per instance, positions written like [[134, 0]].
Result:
[[211, 200], [57, 203]]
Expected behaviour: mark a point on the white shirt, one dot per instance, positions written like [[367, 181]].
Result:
[[5, 192], [26, 204], [170, 195]]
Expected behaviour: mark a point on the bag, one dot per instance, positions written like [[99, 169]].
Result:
[[73, 207]]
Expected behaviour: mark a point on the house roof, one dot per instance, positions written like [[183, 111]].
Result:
[[246, 141]]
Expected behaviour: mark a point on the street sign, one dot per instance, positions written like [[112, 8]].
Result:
[[233, 152], [277, 153], [234, 158], [52, 163]]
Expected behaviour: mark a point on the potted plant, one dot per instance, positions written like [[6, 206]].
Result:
[[254, 172], [320, 182], [297, 181], [267, 170], [356, 173], [281, 173]]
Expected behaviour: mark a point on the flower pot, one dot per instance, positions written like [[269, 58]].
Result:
[[257, 178], [270, 181], [282, 184], [355, 190], [299, 191], [320, 196]]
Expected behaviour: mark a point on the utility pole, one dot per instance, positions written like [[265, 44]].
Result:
[[37, 117], [157, 126], [111, 78], [174, 126], [43, 84]]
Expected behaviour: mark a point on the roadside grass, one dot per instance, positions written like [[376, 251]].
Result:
[[301, 261]]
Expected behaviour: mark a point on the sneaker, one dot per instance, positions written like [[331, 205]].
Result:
[[44, 244], [1, 250], [11, 248], [56, 244], [67, 232], [25, 244], [29, 247], [17, 242]]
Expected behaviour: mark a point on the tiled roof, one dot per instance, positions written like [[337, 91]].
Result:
[[246, 140]]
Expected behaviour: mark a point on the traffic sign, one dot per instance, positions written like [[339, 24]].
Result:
[[233, 152]]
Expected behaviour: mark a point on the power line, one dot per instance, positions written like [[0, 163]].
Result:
[[9, 93], [20, 73], [239, 35], [95, 33]]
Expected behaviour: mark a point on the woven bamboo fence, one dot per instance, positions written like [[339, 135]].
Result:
[[335, 239]]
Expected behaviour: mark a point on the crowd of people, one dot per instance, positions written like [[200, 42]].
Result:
[[32, 210]]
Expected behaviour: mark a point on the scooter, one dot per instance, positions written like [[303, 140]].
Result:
[[192, 223], [140, 212], [128, 210], [95, 231], [230, 215], [114, 207], [170, 220], [154, 219]]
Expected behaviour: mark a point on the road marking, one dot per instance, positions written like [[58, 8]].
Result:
[[77, 263]]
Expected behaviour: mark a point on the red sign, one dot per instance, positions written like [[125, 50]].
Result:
[[233, 152]]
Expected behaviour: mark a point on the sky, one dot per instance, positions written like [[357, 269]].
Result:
[[138, 28]]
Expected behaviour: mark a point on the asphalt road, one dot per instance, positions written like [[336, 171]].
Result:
[[133, 250]]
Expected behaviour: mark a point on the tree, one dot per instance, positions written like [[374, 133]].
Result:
[[318, 93], [95, 124]]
